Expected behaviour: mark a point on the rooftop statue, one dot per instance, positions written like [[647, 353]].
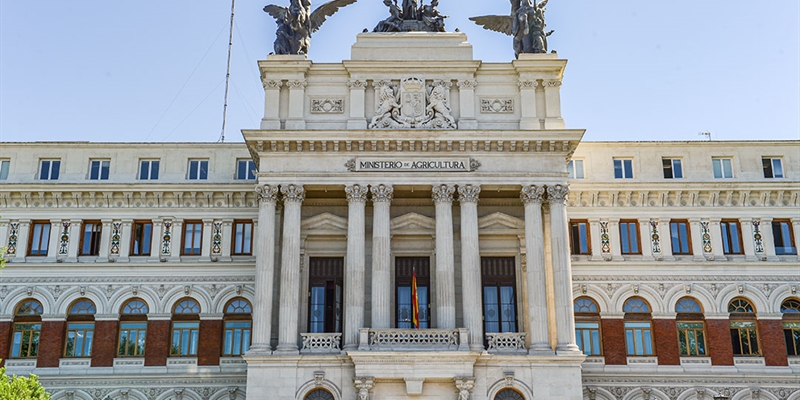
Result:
[[297, 23], [525, 24], [412, 16]]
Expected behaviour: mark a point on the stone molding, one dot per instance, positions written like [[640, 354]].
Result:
[[267, 193], [382, 193], [293, 193], [350, 142], [691, 194], [468, 193], [532, 194], [357, 84], [271, 83], [443, 193], [113, 195], [356, 193]]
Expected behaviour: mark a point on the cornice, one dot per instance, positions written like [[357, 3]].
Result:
[[82, 196], [685, 194]]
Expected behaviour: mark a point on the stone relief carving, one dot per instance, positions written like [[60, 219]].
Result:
[[327, 106], [356, 193], [497, 106], [382, 193], [412, 105], [443, 193], [468, 193]]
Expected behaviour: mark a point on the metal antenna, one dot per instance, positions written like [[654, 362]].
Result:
[[227, 77], [706, 133]]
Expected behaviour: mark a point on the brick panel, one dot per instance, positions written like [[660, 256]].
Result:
[[105, 343], [613, 331], [5, 340], [209, 346], [51, 344], [156, 347], [719, 341], [666, 337], [773, 343]]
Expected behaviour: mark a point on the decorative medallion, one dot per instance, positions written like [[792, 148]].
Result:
[[605, 243], [63, 245], [216, 239], [327, 106], [497, 106], [706, 237], [655, 239], [116, 234]]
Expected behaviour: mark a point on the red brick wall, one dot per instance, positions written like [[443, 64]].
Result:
[[156, 346], [210, 345], [51, 344], [5, 340], [666, 337], [773, 343], [104, 347], [613, 331], [719, 341]]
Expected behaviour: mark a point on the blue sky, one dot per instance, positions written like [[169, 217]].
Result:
[[149, 70]]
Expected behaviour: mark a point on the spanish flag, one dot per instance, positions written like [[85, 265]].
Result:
[[414, 298]]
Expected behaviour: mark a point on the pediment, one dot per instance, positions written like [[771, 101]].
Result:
[[324, 224], [413, 224], [500, 223]]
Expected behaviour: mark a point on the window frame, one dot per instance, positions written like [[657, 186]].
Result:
[[573, 172], [727, 241], [95, 238], [327, 275], [632, 231], [790, 250], [236, 317], [5, 167], [248, 172], [790, 308], [575, 224], [53, 169], [131, 319], [235, 241], [138, 251], [45, 242], [721, 162], [745, 317], [694, 316], [195, 235], [682, 242], [588, 317], [633, 322], [625, 168], [103, 169], [769, 163], [403, 278], [33, 335], [669, 164], [185, 321], [153, 168], [81, 326], [201, 169], [500, 273]]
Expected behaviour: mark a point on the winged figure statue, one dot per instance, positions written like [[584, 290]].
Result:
[[525, 24], [296, 23]]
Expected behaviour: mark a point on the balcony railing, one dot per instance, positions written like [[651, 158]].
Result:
[[413, 339], [512, 342], [321, 342]]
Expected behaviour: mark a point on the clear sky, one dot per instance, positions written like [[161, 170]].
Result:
[[147, 70]]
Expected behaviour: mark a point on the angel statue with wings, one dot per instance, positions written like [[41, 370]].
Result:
[[296, 23], [525, 24]]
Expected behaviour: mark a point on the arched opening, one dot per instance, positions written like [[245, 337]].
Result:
[[132, 328], [691, 327], [638, 327], [744, 329], [238, 322], [790, 308], [27, 329], [508, 394], [80, 329], [319, 394], [587, 326], [185, 327]]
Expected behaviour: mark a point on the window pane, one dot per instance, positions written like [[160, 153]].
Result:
[[628, 168], [676, 167], [55, 169], [94, 172], [104, 168], [241, 169], [44, 173], [4, 166], [571, 170], [491, 313], [726, 168], [154, 169], [203, 169], [667, 166], [618, 169], [777, 168], [717, 164], [192, 169]]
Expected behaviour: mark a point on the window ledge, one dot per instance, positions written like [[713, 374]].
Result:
[[643, 361], [749, 361], [23, 363], [75, 362], [595, 360], [186, 361], [696, 361], [127, 362]]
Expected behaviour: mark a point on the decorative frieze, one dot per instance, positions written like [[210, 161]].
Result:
[[166, 239], [497, 106], [605, 242], [321, 342], [12, 238], [327, 106], [655, 238], [707, 248], [63, 240], [505, 342], [216, 239], [412, 105], [758, 240], [116, 235]]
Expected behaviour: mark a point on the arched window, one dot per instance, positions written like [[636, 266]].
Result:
[[27, 328], [185, 328], [319, 394], [791, 325], [80, 329], [132, 328], [587, 326], [638, 327], [508, 394], [744, 329], [691, 327], [238, 324]]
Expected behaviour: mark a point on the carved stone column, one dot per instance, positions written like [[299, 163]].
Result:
[[358, 119], [471, 265], [227, 239], [665, 235], [445, 274], [155, 240], [527, 93], [715, 230], [552, 96], [562, 270], [21, 249], [598, 252], [466, 99], [205, 250], [381, 256], [53, 240], [537, 324], [363, 385], [272, 103], [265, 269], [293, 196], [177, 235], [297, 100], [354, 270], [615, 240]]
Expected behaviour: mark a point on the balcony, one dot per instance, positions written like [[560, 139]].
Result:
[[321, 343], [506, 343], [413, 339]]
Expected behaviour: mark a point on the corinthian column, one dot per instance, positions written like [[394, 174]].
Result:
[[538, 330], [445, 275], [293, 196], [471, 265], [562, 270], [381, 256], [354, 274], [265, 266]]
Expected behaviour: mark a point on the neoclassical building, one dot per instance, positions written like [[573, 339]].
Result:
[[283, 268]]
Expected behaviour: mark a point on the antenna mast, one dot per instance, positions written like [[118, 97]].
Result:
[[227, 77]]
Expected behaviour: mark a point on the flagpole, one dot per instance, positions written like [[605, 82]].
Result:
[[414, 299]]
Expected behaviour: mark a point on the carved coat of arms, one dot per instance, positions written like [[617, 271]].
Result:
[[412, 105]]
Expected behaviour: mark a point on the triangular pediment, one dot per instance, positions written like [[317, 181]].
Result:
[[413, 224], [324, 224], [500, 223]]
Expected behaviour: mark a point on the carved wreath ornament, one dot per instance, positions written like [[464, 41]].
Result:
[[413, 105]]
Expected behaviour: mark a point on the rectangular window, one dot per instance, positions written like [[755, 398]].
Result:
[[245, 170], [783, 238], [579, 237], [325, 283], [575, 169], [79, 339], [25, 343], [40, 238], [498, 276], [98, 169], [587, 336], [148, 170], [773, 168], [404, 270], [132, 337], [629, 237], [5, 165], [49, 169], [692, 338], [791, 331], [672, 168], [142, 237], [722, 168], [731, 237], [237, 338], [679, 231], [198, 169], [639, 338], [184, 338], [90, 241], [744, 337], [623, 168], [192, 238], [242, 238]]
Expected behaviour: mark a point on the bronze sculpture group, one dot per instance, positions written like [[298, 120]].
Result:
[[297, 23], [525, 24], [412, 17]]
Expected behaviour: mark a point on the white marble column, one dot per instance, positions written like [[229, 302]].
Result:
[[21, 250], [381, 256], [466, 99], [265, 269], [471, 265], [155, 240], [665, 234], [748, 243], [615, 239], [356, 263], [357, 119], [54, 241], [717, 249], [272, 102], [445, 274], [537, 324], [562, 270], [125, 240], [696, 232], [208, 233], [297, 100], [527, 93], [552, 95], [75, 232], [768, 238], [105, 241], [645, 239], [176, 243], [293, 196], [227, 239]]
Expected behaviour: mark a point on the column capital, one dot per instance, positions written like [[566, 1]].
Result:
[[443, 193], [528, 83], [293, 193], [468, 193], [467, 84], [297, 84], [267, 193], [356, 193], [382, 193], [552, 83], [357, 84], [532, 194], [271, 83], [557, 193]]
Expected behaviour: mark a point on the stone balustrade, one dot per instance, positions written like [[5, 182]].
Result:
[[510, 342], [413, 339], [321, 342]]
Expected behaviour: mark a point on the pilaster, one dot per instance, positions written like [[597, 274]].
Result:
[[537, 324], [552, 95], [293, 196], [297, 98], [748, 241], [717, 248], [796, 229], [205, 249], [155, 240], [615, 239], [53, 241], [381, 256], [471, 265], [466, 98], [697, 239], [177, 235], [125, 241], [272, 99], [768, 239], [73, 249], [358, 119], [445, 274], [646, 239], [527, 93], [105, 240], [354, 270]]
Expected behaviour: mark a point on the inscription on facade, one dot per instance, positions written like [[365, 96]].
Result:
[[369, 164]]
